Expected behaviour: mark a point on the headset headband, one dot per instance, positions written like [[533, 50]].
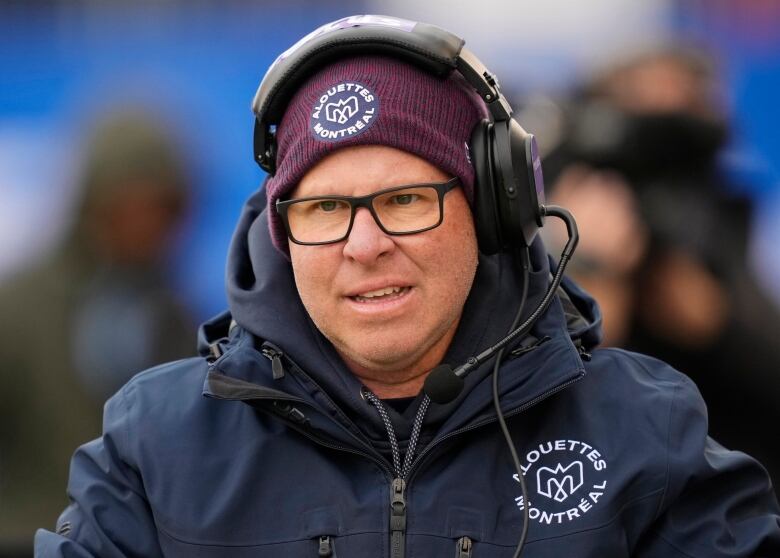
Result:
[[428, 47]]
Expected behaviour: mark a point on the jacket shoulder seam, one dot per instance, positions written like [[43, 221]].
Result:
[[613, 353]]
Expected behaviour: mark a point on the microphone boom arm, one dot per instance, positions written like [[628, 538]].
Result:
[[568, 250]]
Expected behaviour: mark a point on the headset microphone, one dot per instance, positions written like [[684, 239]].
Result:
[[444, 384]]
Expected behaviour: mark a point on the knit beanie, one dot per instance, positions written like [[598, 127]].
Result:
[[374, 100]]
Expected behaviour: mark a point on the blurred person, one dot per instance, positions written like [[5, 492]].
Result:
[[327, 414], [641, 154], [614, 241], [78, 324]]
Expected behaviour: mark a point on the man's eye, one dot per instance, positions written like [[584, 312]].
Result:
[[328, 205], [405, 199]]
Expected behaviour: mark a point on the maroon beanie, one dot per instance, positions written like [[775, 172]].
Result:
[[378, 101]]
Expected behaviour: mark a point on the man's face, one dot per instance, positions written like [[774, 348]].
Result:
[[407, 331]]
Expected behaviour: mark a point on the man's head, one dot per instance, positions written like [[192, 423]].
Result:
[[356, 127]]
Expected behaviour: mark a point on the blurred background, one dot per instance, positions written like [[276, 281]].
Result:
[[126, 154]]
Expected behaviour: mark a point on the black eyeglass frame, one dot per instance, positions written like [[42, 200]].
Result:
[[366, 201]]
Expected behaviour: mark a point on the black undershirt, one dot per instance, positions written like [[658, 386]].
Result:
[[399, 404]]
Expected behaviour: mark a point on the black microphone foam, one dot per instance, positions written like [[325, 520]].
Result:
[[442, 384]]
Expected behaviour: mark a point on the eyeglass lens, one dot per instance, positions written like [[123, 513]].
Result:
[[400, 211]]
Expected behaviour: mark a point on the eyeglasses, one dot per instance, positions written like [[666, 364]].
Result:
[[400, 210]]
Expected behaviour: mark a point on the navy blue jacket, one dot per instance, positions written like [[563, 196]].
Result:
[[264, 446]]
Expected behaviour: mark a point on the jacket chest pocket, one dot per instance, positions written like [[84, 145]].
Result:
[[322, 546], [314, 533], [323, 526]]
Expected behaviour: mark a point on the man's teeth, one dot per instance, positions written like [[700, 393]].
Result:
[[380, 292]]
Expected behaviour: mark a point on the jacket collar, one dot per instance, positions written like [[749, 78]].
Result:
[[547, 361]]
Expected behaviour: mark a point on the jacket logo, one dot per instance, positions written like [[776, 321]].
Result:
[[335, 114], [549, 484], [343, 111], [565, 479]]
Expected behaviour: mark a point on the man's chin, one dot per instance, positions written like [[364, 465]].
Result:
[[392, 352], [385, 356]]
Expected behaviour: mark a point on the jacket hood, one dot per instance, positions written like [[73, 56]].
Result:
[[263, 300]]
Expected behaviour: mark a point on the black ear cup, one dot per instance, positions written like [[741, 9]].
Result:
[[486, 219], [520, 206], [508, 187]]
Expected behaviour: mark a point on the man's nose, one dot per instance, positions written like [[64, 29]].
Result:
[[366, 241]]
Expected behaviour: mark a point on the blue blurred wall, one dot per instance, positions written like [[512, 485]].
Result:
[[197, 64]]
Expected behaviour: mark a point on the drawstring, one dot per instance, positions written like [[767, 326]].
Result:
[[416, 428], [399, 470]]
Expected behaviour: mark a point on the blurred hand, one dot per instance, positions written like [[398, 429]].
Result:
[[683, 301]]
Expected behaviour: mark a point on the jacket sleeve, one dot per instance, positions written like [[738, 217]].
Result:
[[109, 515], [717, 503]]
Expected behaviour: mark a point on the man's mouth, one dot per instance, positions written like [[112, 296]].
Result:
[[381, 294]]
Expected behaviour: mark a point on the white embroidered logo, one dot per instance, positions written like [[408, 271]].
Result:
[[334, 112], [569, 478], [549, 484]]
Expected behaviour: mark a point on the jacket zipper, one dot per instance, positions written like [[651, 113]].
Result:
[[401, 471], [397, 518], [463, 548], [274, 354]]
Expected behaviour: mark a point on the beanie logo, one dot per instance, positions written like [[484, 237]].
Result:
[[333, 112], [343, 111]]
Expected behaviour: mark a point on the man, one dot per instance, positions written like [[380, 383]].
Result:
[[314, 438]]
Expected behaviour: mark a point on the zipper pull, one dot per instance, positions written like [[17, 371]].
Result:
[[326, 547], [463, 548], [397, 519], [274, 354], [584, 354], [215, 351], [398, 506], [527, 346]]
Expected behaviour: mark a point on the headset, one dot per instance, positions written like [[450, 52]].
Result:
[[508, 189]]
